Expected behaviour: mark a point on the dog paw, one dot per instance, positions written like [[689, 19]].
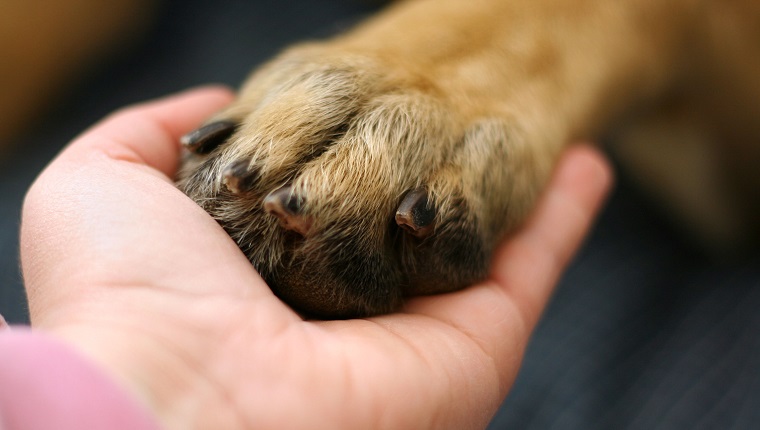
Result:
[[350, 183]]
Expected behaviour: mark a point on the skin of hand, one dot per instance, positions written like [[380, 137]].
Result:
[[127, 270]]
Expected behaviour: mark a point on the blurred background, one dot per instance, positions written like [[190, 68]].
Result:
[[645, 332]]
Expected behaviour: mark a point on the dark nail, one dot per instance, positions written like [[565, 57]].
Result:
[[239, 178], [415, 215], [286, 205], [208, 137]]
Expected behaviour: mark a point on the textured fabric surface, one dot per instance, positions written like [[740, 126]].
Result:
[[643, 333]]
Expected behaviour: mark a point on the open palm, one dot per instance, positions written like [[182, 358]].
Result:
[[124, 267]]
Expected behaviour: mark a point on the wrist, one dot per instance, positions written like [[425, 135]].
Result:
[[44, 383]]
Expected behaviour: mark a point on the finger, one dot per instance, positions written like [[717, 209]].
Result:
[[529, 265], [149, 133]]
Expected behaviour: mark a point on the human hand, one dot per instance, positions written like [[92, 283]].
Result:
[[125, 268]]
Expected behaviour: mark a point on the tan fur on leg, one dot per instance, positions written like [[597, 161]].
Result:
[[468, 102]]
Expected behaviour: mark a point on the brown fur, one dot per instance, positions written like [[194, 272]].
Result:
[[473, 100]]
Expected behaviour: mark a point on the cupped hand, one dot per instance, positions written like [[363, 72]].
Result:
[[126, 269]]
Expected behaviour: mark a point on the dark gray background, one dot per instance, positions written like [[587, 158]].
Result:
[[644, 332]]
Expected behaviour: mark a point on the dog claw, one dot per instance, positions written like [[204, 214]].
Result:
[[238, 178], [286, 205], [207, 138], [415, 215]]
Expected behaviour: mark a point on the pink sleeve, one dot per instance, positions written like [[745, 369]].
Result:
[[45, 385]]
